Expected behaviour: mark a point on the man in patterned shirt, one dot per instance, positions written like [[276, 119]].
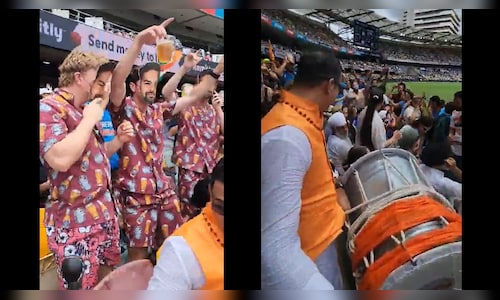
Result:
[[151, 205], [198, 141], [79, 217]]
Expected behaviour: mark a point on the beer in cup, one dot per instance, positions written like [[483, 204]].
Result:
[[165, 49]]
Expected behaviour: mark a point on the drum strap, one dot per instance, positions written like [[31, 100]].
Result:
[[396, 218]]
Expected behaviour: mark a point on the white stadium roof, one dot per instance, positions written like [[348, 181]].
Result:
[[388, 28]]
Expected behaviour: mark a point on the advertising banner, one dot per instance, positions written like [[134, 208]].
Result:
[[67, 34], [217, 12], [265, 19], [278, 26], [300, 36]]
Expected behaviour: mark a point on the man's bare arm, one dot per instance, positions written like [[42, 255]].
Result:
[[123, 68]]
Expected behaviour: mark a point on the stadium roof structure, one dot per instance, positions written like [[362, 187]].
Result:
[[394, 30]]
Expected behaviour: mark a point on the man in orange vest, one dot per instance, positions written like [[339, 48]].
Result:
[[192, 258], [301, 216]]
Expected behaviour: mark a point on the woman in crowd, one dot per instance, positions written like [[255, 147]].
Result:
[[372, 132]]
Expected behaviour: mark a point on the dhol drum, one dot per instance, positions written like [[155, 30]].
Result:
[[48, 268], [402, 234]]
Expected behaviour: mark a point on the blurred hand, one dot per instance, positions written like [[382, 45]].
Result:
[[397, 135], [219, 69], [217, 101], [131, 276], [192, 59], [150, 35], [125, 132], [450, 163], [94, 110]]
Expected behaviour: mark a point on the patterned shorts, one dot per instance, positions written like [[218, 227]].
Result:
[[147, 226], [95, 244], [187, 182]]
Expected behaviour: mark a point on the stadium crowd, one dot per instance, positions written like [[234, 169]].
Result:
[[108, 151], [444, 56], [389, 51], [397, 71]]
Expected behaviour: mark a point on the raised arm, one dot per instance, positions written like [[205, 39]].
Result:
[[200, 90], [148, 36], [279, 70], [190, 60]]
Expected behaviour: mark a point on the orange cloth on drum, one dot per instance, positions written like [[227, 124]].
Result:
[[321, 217], [396, 217], [210, 253], [44, 245]]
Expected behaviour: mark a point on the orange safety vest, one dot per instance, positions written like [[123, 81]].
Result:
[[321, 217], [200, 234]]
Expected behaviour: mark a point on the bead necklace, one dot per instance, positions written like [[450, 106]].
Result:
[[209, 224], [301, 113]]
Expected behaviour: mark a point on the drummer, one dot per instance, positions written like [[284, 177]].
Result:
[[301, 216], [192, 258]]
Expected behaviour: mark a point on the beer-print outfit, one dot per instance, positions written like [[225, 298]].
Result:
[[196, 148], [95, 244], [150, 204], [80, 197]]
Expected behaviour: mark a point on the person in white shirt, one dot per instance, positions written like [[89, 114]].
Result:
[[436, 159], [455, 136], [414, 111], [339, 143], [371, 129]]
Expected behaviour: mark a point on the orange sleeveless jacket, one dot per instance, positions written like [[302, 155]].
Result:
[[208, 251], [321, 217]]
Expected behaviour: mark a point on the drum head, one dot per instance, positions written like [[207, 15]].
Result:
[[382, 173], [437, 269], [385, 170]]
